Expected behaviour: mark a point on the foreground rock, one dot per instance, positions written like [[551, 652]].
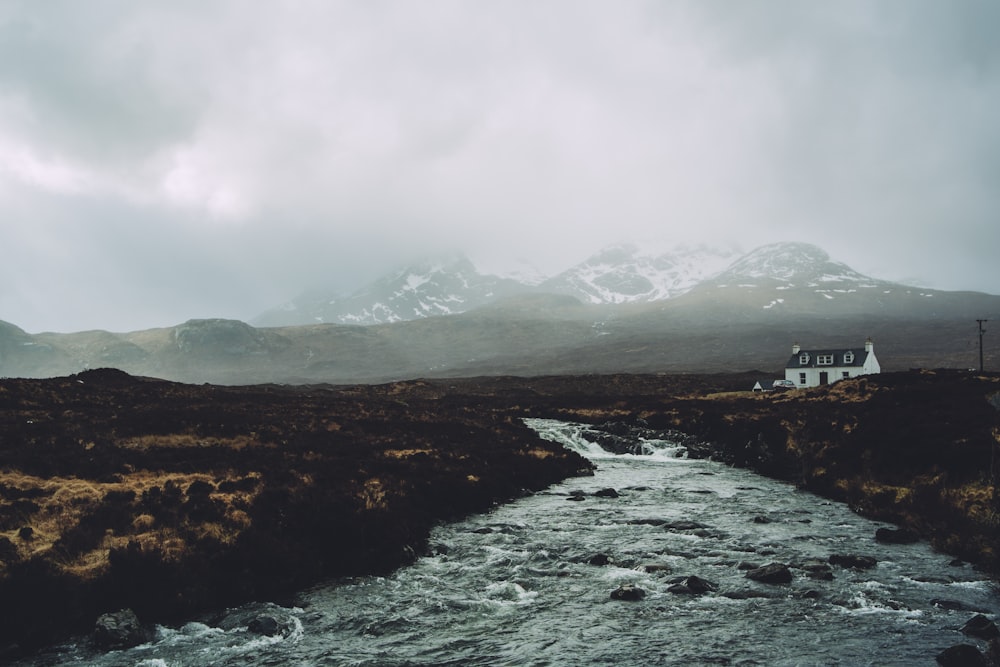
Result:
[[962, 655], [120, 629]]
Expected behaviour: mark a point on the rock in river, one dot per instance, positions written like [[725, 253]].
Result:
[[773, 573]]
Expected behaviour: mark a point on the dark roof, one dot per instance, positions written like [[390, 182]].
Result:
[[860, 355]]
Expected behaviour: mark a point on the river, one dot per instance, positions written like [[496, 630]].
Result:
[[527, 585]]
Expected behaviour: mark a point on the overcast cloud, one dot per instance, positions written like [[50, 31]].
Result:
[[213, 158]]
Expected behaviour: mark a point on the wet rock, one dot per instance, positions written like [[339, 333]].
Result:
[[853, 562], [628, 592], [606, 493], [744, 565], [577, 496], [120, 629], [772, 573], [692, 586], [760, 518], [646, 522], [981, 627], [993, 652], [896, 536], [684, 525], [267, 626], [961, 655], [953, 605], [655, 568], [816, 569], [822, 572], [600, 559]]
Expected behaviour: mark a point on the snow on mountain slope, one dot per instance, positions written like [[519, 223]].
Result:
[[625, 274], [801, 278], [797, 264], [439, 287], [764, 278]]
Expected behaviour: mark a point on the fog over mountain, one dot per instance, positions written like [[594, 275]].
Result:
[[176, 160], [452, 284]]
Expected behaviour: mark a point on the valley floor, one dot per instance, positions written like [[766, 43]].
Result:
[[167, 498]]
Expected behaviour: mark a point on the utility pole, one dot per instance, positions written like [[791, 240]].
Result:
[[981, 332]]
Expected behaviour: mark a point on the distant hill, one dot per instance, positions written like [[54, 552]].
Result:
[[599, 317]]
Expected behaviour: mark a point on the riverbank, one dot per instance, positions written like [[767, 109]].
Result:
[[169, 499], [166, 498]]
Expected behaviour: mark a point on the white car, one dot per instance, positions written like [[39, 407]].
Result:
[[783, 384]]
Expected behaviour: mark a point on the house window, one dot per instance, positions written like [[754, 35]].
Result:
[[845, 375], [849, 358], [802, 378], [803, 358], [824, 359]]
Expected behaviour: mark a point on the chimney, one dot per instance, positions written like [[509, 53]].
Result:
[[795, 348], [869, 345]]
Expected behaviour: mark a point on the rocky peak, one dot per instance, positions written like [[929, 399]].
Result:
[[797, 264]]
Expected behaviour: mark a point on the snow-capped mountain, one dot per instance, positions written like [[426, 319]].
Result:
[[616, 275], [799, 278], [444, 287], [773, 277]]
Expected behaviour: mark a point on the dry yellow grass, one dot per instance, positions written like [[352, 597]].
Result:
[[373, 495], [538, 453], [63, 501], [186, 440], [405, 453]]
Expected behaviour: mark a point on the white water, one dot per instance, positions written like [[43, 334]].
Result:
[[514, 587]]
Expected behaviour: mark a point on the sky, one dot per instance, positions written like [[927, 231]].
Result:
[[215, 158]]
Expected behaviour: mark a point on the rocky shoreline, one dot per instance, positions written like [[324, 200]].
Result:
[[169, 499]]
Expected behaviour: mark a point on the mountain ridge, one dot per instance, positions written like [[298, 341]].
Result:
[[741, 318]]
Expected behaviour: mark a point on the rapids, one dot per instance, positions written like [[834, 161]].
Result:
[[519, 585]]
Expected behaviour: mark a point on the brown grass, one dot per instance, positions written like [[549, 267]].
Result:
[[64, 501], [405, 453], [186, 440]]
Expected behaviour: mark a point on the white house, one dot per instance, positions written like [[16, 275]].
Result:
[[812, 368]]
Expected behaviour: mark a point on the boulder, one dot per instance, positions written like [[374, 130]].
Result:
[[606, 493], [600, 559], [981, 627], [628, 592], [772, 573], [852, 561], [692, 586], [961, 655], [267, 626], [896, 536], [684, 525], [817, 569], [646, 522], [120, 629], [953, 605]]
